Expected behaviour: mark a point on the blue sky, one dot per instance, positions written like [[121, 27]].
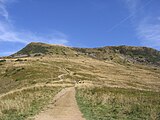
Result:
[[79, 23]]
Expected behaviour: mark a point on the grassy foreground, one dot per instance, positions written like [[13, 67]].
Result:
[[26, 103], [118, 104]]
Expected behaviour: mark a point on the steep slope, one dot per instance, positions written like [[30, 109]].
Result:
[[35, 49], [123, 54]]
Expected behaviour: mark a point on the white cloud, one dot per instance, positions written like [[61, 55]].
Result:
[[132, 5], [149, 34], [3, 11], [147, 30], [10, 34]]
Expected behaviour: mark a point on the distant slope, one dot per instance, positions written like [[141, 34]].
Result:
[[123, 54], [42, 48], [119, 54]]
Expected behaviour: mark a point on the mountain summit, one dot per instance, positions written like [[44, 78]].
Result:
[[35, 48]]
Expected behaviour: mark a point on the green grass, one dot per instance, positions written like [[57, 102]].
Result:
[[27, 103], [95, 103], [13, 75], [141, 55], [118, 104], [36, 48]]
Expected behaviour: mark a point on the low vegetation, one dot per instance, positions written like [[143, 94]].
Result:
[[118, 104], [123, 54], [118, 54], [21, 73], [26, 103], [125, 83], [42, 48], [2, 61]]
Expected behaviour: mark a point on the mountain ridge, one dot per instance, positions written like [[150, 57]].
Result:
[[120, 54]]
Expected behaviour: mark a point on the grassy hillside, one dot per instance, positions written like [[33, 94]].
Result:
[[26, 103], [109, 73], [119, 54], [104, 103], [42, 48], [123, 54]]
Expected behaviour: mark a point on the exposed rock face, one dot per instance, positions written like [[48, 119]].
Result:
[[123, 54]]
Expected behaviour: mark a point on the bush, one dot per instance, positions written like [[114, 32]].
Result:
[[18, 60], [3, 60]]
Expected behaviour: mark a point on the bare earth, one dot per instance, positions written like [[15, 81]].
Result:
[[63, 107], [35, 86]]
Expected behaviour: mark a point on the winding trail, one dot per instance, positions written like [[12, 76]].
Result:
[[35, 86], [63, 107], [54, 84]]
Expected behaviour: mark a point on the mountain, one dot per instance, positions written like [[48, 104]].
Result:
[[119, 54], [123, 54], [38, 48], [112, 82]]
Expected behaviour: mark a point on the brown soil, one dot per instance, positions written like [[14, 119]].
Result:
[[63, 107], [35, 86]]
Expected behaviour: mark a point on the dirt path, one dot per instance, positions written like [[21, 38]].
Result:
[[42, 85], [63, 107], [35, 86]]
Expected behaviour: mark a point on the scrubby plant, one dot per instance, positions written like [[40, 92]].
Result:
[[2, 60], [18, 60]]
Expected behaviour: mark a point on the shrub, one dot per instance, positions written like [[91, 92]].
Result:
[[18, 60], [3, 60]]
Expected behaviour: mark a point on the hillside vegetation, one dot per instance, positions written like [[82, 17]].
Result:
[[104, 103], [112, 82], [42, 48], [120, 54], [25, 103], [123, 54]]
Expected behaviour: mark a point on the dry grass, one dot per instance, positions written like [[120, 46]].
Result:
[[23, 104], [45, 70]]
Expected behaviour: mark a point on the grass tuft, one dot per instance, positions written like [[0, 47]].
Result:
[[118, 104]]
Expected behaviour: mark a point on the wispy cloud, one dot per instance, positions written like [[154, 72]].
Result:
[[148, 30], [3, 11], [9, 33], [132, 5], [149, 33]]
